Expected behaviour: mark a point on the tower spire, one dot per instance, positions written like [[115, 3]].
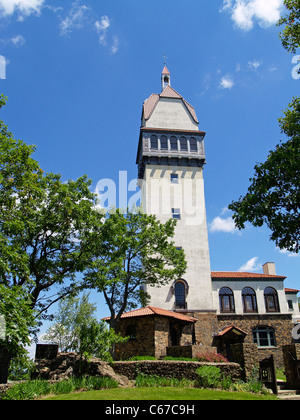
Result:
[[166, 76]]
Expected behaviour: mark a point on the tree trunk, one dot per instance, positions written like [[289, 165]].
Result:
[[5, 358]]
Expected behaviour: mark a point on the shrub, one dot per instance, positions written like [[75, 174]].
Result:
[[208, 377], [211, 357], [31, 390]]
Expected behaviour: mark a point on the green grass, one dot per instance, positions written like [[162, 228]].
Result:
[[158, 394]]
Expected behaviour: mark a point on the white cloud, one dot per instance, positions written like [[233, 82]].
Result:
[[288, 253], [102, 26], [226, 82], [18, 40], [115, 46], [24, 7], [251, 265], [220, 224], [244, 13], [77, 17], [254, 64]]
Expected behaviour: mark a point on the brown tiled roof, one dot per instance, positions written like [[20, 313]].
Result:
[[230, 328], [151, 310], [287, 290], [243, 275]]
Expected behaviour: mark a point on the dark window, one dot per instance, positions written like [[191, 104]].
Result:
[[173, 143], [271, 300], [174, 178], [131, 332], [163, 143], [183, 144], [180, 295], [154, 143], [226, 300], [264, 337], [249, 300], [193, 145], [176, 214]]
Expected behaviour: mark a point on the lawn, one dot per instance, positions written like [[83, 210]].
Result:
[[158, 394]]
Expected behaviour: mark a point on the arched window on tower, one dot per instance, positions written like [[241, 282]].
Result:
[[154, 142], [271, 300], [163, 143], [193, 145], [183, 144], [249, 300], [226, 300], [180, 294], [166, 81], [174, 143]]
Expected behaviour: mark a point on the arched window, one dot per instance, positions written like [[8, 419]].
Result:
[[226, 300], [183, 144], [163, 143], [271, 300], [154, 142], [264, 336], [249, 300], [173, 143], [180, 294], [193, 145]]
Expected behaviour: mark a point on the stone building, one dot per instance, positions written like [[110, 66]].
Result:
[[209, 310]]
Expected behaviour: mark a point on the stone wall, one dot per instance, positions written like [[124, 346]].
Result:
[[172, 369], [280, 323], [152, 336], [69, 364]]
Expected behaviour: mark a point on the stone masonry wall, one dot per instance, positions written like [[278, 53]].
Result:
[[280, 323]]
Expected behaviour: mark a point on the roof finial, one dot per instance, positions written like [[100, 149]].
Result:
[[165, 58]]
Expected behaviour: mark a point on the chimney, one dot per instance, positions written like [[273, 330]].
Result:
[[269, 268]]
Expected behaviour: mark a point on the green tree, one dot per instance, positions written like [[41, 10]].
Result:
[[290, 36], [273, 197], [45, 225], [18, 321], [135, 250], [96, 339], [45, 228], [73, 312]]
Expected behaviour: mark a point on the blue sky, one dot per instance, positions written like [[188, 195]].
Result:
[[77, 73]]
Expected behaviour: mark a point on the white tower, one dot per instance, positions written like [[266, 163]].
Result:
[[170, 162]]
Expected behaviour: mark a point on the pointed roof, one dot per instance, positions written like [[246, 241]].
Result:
[[231, 328], [151, 310], [166, 71], [168, 92]]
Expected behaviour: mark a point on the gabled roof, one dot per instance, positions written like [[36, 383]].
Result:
[[231, 328], [151, 310], [243, 275], [168, 92]]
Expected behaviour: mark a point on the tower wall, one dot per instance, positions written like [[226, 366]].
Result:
[[159, 197]]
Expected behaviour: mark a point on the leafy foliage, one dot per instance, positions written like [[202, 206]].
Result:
[[135, 251], [290, 36]]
